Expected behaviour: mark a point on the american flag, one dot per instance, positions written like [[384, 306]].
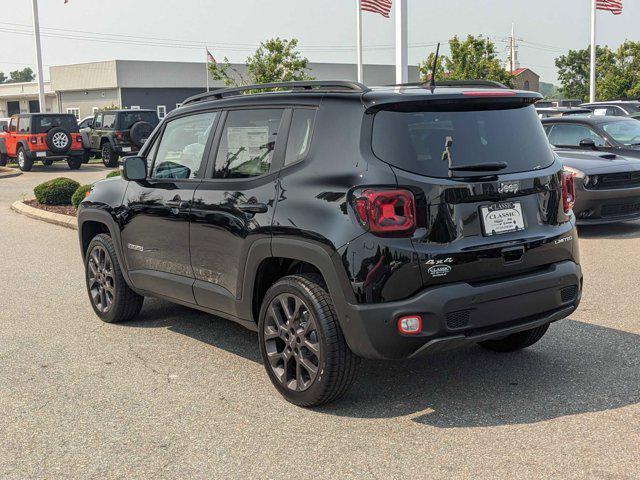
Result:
[[210, 58], [613, 6], [383, 7]]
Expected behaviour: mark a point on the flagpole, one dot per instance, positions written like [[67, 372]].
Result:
[[592, 75], [359, 40], [36, 33], [206, 65], [402, 66]]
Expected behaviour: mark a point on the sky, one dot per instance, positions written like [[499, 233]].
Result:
[[178, 30]]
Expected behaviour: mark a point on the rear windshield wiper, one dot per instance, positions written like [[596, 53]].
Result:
[[480, 167]]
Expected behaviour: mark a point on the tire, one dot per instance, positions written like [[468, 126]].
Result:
[[3, 159], [109, 157], [74, 162], [284, 341], [47, 162], [24, 163], [86, 156], [516, 341], [125, 303], [58, 140], [139, 133]]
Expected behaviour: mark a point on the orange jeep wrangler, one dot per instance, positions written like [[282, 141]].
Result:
[[42, 136]]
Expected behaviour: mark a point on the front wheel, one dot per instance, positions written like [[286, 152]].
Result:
[[303, 348], [109, 156], [110, 296], [24, 163], [516, 341], [86, 156]]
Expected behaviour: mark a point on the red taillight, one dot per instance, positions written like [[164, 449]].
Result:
[[78, 138], [410, 325], [568, 191], [489, 93], [386, 211], [119, 135], [33, 140]]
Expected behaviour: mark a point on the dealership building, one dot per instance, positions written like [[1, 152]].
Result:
[[84, 88]]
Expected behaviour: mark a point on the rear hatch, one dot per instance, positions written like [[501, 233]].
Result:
[[488, 188]]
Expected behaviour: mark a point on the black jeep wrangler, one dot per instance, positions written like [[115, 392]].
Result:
[[114, 133], [340, 221]]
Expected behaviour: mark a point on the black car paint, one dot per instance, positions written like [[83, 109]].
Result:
[[309, 218]]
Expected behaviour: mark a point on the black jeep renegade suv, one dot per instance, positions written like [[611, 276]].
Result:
[[340, 221]]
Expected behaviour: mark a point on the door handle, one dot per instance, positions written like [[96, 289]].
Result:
[[253, 208], [181, 204]]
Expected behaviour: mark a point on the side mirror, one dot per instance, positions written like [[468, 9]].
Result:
[[588, 143], [133, 169]]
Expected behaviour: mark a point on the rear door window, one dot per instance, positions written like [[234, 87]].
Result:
[[416, 140], [23, 125], [300, 134], [109, 121]]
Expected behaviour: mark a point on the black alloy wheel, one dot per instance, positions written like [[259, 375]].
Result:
[[109, 157], [292, 342], [101, 279]]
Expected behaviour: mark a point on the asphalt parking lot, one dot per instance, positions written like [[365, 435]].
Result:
[[181, 394]]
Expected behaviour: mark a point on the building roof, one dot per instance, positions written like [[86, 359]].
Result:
[[520, 71]]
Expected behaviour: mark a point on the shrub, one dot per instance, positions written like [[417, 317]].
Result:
[[80, 194], [56, 192], [115, 173]]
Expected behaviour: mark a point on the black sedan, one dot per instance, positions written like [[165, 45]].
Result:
[[607, 186], [619, 135]]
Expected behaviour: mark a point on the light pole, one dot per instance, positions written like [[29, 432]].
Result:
[[36, 33]]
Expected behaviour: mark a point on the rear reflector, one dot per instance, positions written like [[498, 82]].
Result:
[[410, 325], [489, 93]]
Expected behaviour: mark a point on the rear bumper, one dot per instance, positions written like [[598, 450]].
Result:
[[125, 150], [606, 206], [462, 313], [53, 156]]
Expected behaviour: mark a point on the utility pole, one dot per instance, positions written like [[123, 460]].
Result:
[[402, 61], [592, 72], [512, 61], [36, 34], [359, 40]]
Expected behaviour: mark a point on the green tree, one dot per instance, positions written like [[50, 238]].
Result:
[[24, 75], [275, 60], [475, 58], [617, 72], [3, 77]]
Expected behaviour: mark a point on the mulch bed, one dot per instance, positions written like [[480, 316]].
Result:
[[62, 209]]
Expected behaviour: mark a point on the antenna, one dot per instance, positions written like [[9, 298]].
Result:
[[432, 82]]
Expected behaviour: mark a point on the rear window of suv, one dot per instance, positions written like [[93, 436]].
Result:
[[44, 123], [414, 140], [126, 120]]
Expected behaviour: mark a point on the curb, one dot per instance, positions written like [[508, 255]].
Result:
[[9, 173], [49, 217]]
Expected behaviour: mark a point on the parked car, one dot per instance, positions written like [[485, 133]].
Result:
[[114, 133], [340, 221], [616, 108], [85, 123], [4, 122], [607, 186], [552, 112], [619, 135], [47, 137]]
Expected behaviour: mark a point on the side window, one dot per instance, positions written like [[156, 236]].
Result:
[[178, 154], [300, 135], [12, 124], [97, 123], [23, 124], [571, 135], [248, 142], [109, 120]]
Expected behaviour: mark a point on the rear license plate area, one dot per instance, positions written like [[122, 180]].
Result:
[[503, 217]]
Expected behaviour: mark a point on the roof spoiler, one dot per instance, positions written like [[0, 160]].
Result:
[[454, 83], [313, 85]]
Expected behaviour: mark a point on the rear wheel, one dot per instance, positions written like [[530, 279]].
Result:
[[302, 345], [3, 159], [110, 296], [516, 341], [24, 163], [74, 163], [109, 156]]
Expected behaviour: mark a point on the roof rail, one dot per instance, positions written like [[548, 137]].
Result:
[[455, 83], [312, 85]]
